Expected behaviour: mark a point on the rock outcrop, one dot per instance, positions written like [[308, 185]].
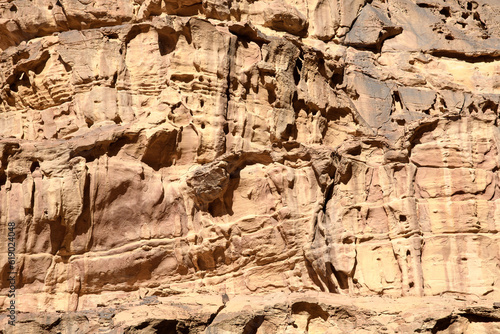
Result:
[[309, 312], [207, 147]]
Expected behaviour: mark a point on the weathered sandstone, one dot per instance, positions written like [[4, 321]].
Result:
[[270, 151]]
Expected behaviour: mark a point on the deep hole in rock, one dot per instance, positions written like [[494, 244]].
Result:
[[355, 150], [336, 114], [89, 121], [297, 70], [397, 99], [206, 262], [161, 150], [19, 56], [39, 65], [472, 109], [253, 325], [445, 11], [34, 166], [22, 80], [224, 206], [166, 42], [271, 94], [471, 5], [337, 78], [490, 105], [116, 146], [117, 119], [347, 241], [346, 176]]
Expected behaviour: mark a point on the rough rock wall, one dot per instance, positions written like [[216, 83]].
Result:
[[345, 146], [278, 312]]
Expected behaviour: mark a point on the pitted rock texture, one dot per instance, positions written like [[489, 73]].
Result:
[[278, 312], [213, 147]]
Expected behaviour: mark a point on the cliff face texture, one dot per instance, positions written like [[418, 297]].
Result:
[[160, 154]]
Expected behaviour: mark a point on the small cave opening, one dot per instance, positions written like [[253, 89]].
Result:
[[271, 95], [471, 5], [397, 100], [297, 70], [490, 105], [34, 166], [166, 42], [89, 121], [337, 78], [445, 11], [161, 150]]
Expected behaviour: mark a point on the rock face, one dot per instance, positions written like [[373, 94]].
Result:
[[201, 147], [309, 312]]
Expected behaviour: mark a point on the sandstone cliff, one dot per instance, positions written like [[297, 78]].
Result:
[[207, 147]]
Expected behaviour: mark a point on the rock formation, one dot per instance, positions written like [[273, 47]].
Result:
[[280, 153]]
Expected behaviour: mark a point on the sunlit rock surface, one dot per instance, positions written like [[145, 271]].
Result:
[[256, 150]]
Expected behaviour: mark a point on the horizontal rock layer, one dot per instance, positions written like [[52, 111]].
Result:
[[247, 147], [278, 312]]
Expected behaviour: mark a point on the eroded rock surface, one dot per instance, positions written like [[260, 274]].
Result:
[[241, 148]]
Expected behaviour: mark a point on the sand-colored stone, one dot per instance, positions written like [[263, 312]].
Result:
[[271, 151]]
